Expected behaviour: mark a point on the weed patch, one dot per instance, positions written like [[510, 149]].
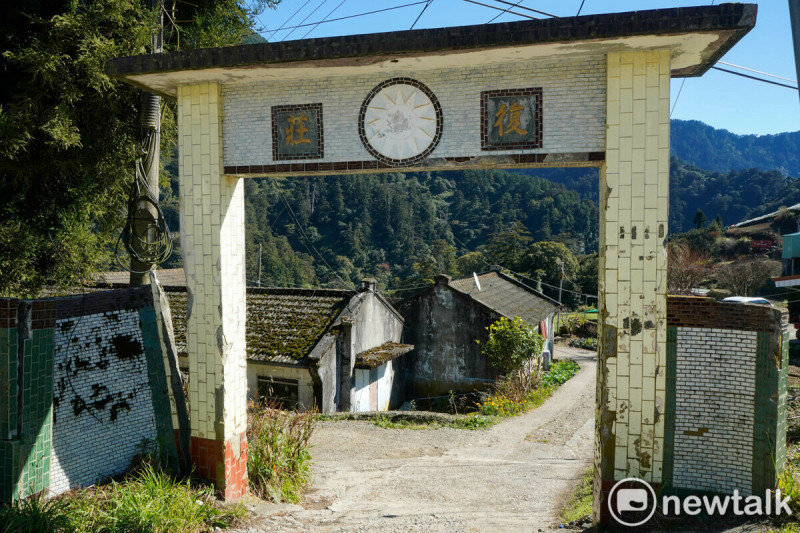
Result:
[[278, 458], [509, 400], [148, 500], [579, 505]]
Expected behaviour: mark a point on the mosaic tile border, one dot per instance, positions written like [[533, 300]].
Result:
[[537, 116], [393, 163], [320, 153]]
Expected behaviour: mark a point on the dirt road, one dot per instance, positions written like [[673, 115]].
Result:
[[511, 477]]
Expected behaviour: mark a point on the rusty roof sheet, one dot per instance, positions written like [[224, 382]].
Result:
[[507, 296], [283, 325]]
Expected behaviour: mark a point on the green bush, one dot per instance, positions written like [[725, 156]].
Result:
[[560, 372], [278, 460]]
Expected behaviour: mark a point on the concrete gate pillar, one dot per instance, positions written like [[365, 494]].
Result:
[[634, 199], [212, 239]]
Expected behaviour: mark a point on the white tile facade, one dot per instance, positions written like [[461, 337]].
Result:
[[714, 425], [574, 109], [102, 407]]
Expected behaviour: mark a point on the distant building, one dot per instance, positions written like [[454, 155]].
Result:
[[445, 321], [331, 349]]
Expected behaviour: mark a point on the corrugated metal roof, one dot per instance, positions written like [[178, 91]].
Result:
[[283, 325], [507, 296]]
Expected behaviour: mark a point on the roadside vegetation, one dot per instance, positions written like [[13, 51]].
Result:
[[152, 499], [278, 462], [579, 506], [148, 499]]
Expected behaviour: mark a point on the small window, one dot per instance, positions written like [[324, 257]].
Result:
[[283, 391]]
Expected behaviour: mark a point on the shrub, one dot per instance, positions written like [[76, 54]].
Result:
[[278, 460], [509, 400], [513, 346]]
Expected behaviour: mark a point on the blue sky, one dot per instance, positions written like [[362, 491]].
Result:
[[722, 100]]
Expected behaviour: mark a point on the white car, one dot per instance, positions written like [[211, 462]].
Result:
[[748, 300]]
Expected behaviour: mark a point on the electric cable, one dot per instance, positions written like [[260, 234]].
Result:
[[273, 32], [420, 14], [754, 78], [507, 10], [420, 2], [324, 19], [302, 21], [154, 245]]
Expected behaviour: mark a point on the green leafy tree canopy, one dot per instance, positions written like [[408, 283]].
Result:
[[68, 131]]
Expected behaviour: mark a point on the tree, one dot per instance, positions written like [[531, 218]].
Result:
[[507, 246], [540, 262], [744, 278], [699, 219], [67, 130], [686, 268], [511, 347]]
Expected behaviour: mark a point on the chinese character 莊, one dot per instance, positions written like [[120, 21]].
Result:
[[295, 132]]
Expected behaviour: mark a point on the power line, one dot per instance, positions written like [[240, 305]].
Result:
[[323, 20], [420, 14], [527, 8], [287, 20], [676, 97], [501, 14], [302, 232], [302, 21], [507, 10], [579, 9], [757, 71], [755, 78], [351, 16]]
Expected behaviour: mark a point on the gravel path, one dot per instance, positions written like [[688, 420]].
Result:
[[514, 476]]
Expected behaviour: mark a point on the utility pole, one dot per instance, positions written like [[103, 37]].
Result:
[[259, 265], [145, 223], [794, 16], [560, 263]]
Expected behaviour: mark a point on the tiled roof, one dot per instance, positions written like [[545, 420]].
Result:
[[507, 296], [170, 277], [283, 325], [375, 357]]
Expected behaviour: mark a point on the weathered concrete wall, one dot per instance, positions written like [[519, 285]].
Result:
[[573, 110], [94, 389], [444, 327], [725, 419], [305, 386]]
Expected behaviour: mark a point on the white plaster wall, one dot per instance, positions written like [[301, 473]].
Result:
[[384, 378], [726, 358], [361, 397], [374, 325], [573, 102], [88, 446]]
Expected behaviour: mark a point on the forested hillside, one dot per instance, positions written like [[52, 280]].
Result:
[[722, 151], [404, 228]]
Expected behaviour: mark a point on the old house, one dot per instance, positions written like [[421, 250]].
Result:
[[445, 321], [331, 349]]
